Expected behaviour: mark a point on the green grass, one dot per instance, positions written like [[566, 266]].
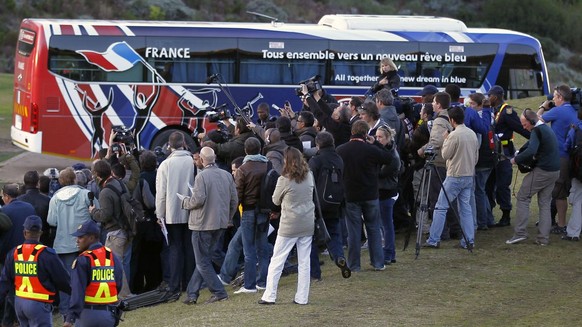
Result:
[[497, 285], [5, 105]]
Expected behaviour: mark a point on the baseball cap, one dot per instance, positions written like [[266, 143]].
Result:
[[33, 223], [496, 90], [88, 227], [428, 89]]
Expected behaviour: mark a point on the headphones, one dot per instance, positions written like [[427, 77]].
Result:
[[531, 121]]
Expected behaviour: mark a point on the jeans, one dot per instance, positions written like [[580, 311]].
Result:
[[575, 198], [371, 213], [387, 217], [254, 226], [334, 246], [181, 256], [231, 265], [484, 214], [538, 182], [456, 188], [204, 243]]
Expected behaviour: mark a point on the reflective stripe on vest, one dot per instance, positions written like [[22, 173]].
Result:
[[26, 282], [102, 288]]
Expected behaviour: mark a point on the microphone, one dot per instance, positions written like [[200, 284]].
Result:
[[91, 196], [211, 78]]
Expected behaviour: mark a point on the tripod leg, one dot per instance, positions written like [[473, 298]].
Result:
[[423, 206], [455, 211]]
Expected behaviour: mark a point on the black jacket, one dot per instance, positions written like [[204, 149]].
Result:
[[362, 163], [40, 202], [340, 131]]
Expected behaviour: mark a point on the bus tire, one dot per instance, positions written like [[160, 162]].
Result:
[[162, 139]]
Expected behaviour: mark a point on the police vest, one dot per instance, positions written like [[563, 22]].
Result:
[[26, 282], [102, 288]]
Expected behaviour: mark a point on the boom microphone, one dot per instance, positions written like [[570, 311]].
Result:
[[211, 78], [91, 196]]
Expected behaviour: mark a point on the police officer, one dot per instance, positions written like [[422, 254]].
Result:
[[35, 273], [506, 123], [95, 282]]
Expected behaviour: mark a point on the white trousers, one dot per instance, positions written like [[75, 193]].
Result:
[[283, 246], [575, 223]]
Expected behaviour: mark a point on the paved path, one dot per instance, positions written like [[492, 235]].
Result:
[[12, 170]]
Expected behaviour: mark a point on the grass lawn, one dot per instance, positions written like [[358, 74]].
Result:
[[496, 285]]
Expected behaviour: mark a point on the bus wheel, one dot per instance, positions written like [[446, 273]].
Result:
[[162, 139]]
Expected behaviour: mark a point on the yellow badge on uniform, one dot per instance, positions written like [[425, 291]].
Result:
[[74, 264], [509, 111]]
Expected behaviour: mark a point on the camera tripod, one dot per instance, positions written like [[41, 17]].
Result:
[[422, 203]]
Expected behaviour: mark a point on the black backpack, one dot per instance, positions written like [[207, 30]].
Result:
[[576, 155], [131, 209], [268, 184], [330, 188]]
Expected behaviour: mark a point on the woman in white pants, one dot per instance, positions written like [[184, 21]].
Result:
[[294, 193]]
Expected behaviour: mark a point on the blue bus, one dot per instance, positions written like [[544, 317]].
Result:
[[87, 76]]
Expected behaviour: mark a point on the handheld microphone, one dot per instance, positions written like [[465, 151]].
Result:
[[91, 196], [211, 78]]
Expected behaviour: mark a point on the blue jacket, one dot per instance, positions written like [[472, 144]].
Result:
[[571, 137], [69, 208], [17, 211]]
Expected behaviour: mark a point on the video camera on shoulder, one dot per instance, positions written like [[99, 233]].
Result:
[[221, 113], [312, 84]]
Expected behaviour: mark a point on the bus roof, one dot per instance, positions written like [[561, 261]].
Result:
[[331, 27]]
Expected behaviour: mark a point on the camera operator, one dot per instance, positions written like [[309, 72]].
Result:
[[561, 118], [336, 121], [234, 148], [440, 125], [543, 145], [460, 150]]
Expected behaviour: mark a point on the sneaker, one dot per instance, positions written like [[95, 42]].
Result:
[[558, 230], [245, 290], [431, 246], [570, 238], [261, 288], [215, 298], [515, 239], [380, 268], [221, 281], [537, 242], [464, 246]]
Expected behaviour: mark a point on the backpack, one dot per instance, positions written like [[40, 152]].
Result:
[[268, 184], [131, 209], [330, 188], [576, 155]]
